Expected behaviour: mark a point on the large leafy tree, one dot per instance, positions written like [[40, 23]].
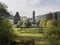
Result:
[[5, 31], [28, 23], [3, 8], [5, 26], [52, 32]]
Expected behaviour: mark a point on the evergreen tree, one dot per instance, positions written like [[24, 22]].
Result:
[[16, 18], [55, 16]]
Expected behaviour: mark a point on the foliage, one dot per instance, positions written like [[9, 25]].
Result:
[[3, 8], [58, 23], [28, 23], [55, 16], [52, 32], [16, 18], [5, 30], [24, 24], [5, 25], [30, 30], [20, 23], [43, 23]]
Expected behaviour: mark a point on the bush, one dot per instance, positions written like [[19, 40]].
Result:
[[5, 31], [43, 23], [52, 32]]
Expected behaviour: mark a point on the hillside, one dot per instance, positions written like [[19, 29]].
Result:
[[6, 16], [40, 17]]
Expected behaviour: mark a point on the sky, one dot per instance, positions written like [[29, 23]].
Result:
[[26, 7]]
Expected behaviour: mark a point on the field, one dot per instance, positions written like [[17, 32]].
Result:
[[30, 34]]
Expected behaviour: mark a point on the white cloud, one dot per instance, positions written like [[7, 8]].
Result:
[[33, 2], [15, 5], [24, 7]]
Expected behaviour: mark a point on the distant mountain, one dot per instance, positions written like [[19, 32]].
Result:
[[6, 16], [40, 17], [58, 14], [10, 17]]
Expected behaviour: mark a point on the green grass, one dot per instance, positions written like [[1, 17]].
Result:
[[21, 33], [29, 30], [32, 35], [18, 33], [42, 43]]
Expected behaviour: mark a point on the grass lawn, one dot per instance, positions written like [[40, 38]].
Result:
[[26, 36], [32, 35], [17, 32], [42, 43]]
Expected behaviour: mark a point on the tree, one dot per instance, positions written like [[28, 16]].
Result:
[[16, 18], [20, 23], [5, 26], [28, 23], [3, 11], [43, 23], [24, 24], [52, 33], [58, 23], [5, 31], [38, 23], [55, 15], [3, 8]]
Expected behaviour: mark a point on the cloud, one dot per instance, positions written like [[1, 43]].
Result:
[[26, 7], [33, 2], [44, 10], [15, 5]]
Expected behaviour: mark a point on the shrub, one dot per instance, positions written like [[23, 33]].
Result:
[[5, 31], [52, 32]]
